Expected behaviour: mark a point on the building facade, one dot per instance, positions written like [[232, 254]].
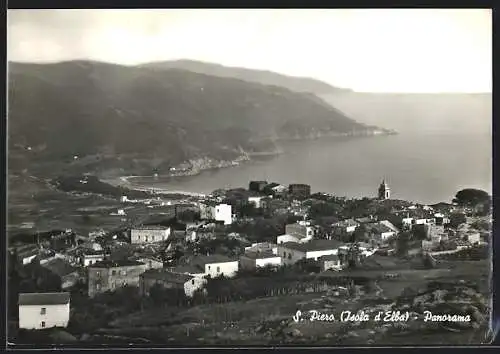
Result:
[[149, 234], [254, 260], [300, 231], [170, 280], [44, 310], [299, 190], [257, 186], [110, 275]]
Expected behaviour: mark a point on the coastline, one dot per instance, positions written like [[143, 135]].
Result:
[[194, 167], [123, 181]]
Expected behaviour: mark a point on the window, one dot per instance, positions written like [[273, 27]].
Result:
[[208, 267], [192, 281], [146, 239], [98, 274], [150, 264], [113, 272], [284, 254], [289, 256], [218, 269], [43, 324], [152, 238], [43, 311]]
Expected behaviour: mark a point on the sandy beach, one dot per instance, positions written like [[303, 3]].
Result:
[[124, 181]]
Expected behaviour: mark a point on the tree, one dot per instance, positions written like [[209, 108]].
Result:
[[403, 244], [471, 197]]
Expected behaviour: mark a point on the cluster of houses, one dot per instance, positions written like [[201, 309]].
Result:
[[91, 263]]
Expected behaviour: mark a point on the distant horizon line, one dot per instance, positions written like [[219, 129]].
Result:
[[250, 69]]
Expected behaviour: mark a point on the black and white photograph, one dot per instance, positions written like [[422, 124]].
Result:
[[249, 177]]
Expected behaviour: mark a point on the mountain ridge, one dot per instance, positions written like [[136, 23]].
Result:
[[89, 108], [265, 77]]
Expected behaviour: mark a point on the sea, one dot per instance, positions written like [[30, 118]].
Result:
[[422, 167]]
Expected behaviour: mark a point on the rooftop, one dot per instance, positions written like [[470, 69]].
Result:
[[314, 245], [191, 269], [59, 267], [107, 263], [26, 299], [330, 257], [346, 223], [260, 255], [380, 228], [214, 258], [168, 276], [151, 227]]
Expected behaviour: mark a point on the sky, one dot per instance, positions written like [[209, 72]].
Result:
[[367, 50]]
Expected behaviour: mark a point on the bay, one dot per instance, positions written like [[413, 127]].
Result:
[[426, 168]]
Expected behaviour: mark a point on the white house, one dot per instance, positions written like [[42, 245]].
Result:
[[262, 247], [223, 212], [217, 265], [253, 260], [302, 231], [43, 310], [319, 248], [213, 265], [149, 234], [292, 252], [218, 212], [381, 232], [287, 238], [390, 225], [344, 227], [89, 258], [256, 201], [331, 262]]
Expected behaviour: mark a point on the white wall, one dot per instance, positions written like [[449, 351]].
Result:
[[27, 260], [255, 201], [228, 269], [350, 228], [286, 238], [335, 265], [92, 260], [386, 235], [192, 285], [30, 316], [263, 262], [316, 254], [223, 213]]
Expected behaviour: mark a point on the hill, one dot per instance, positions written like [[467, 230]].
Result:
[[297, 84], [138, 119], [444, 113]]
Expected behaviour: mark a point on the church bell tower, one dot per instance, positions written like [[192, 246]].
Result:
[[384, 192]]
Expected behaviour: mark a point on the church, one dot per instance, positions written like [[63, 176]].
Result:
[[384, 192]]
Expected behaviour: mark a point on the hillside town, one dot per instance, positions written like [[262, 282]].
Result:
[[240, 244]]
